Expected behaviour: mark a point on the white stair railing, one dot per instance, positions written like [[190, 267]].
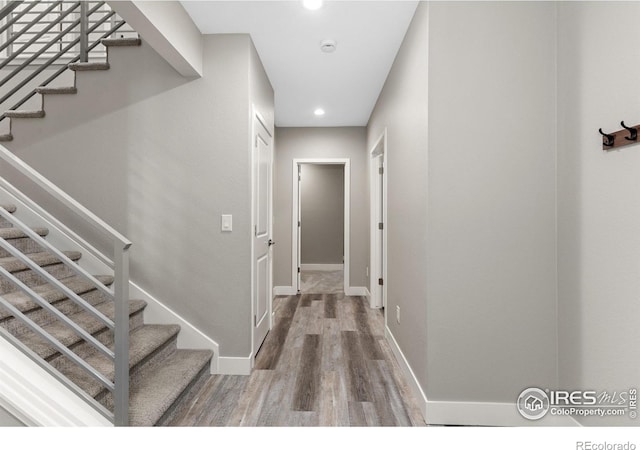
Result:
[[119, 293]]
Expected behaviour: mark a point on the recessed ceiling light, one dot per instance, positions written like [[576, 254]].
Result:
[[312, 4], [319, 112]]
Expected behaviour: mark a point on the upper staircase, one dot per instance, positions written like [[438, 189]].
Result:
[[43, 44], [80, 327]]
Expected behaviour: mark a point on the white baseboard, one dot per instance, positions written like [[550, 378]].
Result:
[[357, 291], [488, 414], [468, 413], [284, 290], [189, 336], [322, 267], [410, 377], [228, 365]]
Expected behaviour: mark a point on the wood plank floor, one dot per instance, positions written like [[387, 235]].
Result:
[[324, 363]]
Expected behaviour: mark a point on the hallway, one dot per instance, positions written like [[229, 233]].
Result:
[[324, 363]]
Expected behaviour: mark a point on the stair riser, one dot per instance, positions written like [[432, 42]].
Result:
[[137, 372], [30, 278], [82, 349], [186, 398], [43, 317], [26, 245]]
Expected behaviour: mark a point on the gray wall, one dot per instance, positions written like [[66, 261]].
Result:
[[261, 93], [7, 419], [598, 200], [322, 214], [491, 200], [471, 160], [347, 142], [161, 157], [402, 108]]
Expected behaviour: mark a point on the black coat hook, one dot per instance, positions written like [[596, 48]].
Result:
[[633, 132], [609, 138]]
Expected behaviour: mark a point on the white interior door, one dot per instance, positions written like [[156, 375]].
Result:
[[380, 234], [378, 223], [299, 260], [262, 242], [377, 267]]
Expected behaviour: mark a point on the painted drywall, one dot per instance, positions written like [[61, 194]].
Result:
[[8, 420], [168, 28], [344, 142], [402, 108], [160, 157], [261, 93], [322, 214], [491, 262], [598, 200], [471, 198]]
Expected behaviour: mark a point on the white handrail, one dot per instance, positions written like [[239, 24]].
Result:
[[63, 197]]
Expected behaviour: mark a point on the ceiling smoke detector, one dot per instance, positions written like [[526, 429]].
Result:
[[328, 46]]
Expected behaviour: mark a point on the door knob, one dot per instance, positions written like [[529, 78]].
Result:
[[270, 243]]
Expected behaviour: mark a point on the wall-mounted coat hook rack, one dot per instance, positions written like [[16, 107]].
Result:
[[620, 138]]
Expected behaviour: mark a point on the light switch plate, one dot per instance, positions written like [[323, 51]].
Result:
[[227, 222]]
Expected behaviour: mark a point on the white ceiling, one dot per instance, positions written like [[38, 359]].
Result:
[[346, 83]]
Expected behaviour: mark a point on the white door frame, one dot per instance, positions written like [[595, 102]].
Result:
[[257, 117], [375, 271], [295, 230]]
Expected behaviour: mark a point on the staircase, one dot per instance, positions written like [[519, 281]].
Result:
[[69, 321], [49, 56], [65, 90], [163, 378]]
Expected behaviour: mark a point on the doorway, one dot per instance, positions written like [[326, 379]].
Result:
[[320, 238], [378, 220]]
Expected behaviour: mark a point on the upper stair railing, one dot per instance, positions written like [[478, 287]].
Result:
[[44, 37]]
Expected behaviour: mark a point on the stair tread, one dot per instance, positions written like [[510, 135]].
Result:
[[156, 393], [50, 294], [120, 42], [16, 233], [66, 336], [89, 66], [56, 90], [142, 343], [6, 137], [13, 264], [25, 114]]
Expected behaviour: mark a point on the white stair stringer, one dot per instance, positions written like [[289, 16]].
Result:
[[35, 398]]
